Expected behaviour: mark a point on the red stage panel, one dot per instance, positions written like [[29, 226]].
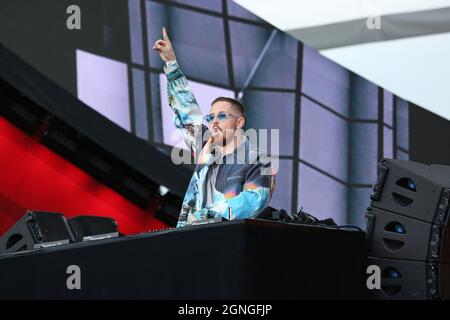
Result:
[[34, 177]]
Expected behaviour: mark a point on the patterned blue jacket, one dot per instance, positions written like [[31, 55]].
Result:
[[246, 185]]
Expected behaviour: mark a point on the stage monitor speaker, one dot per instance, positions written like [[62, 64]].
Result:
[[86, 228], [407, 230], [391, 235], [36, 229], [410, 280], [412, 189]]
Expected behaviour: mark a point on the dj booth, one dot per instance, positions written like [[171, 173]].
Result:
[[241, 259]]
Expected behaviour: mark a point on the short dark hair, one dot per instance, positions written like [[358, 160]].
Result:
[[235, 103]]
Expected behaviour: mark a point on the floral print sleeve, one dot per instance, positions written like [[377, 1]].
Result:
[[188, 116]]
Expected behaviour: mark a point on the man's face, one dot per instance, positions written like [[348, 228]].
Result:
[[223, 131]]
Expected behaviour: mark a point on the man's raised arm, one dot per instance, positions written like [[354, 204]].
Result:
[[188, 116]]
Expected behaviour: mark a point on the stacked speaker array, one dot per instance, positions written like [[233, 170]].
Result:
[[37, 229], [407, 230]]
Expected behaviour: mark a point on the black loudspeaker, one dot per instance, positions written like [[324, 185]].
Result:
[[36, 230], [412, 189], [411, 280], [407, 230], [87, 228], [400, 237]]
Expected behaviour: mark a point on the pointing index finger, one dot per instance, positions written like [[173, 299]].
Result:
[[165, 36]]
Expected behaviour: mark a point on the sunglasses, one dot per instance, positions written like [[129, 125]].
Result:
[[221, 116]]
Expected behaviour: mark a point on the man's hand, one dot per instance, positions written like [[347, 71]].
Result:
[[164, 47], [209, 145], [206, 152]]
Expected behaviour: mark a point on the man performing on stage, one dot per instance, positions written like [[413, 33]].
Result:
[[232, 180]]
